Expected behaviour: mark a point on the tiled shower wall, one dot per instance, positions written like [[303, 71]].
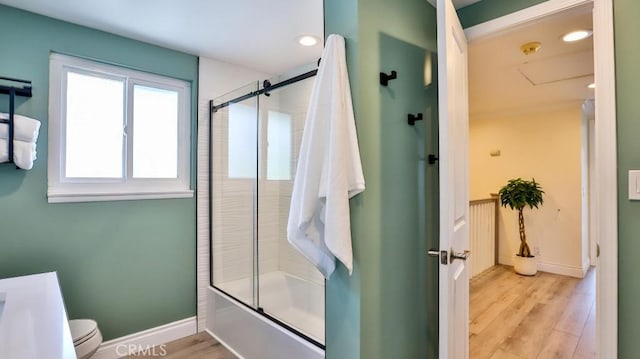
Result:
[[234, 200], [294, 100]]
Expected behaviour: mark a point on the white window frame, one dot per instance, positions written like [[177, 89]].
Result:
[[63, 189]]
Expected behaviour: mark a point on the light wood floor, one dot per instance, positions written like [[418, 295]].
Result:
[[201, 345], [545, 316], [511, 317]]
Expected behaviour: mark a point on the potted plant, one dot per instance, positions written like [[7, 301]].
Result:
[[518, 194]]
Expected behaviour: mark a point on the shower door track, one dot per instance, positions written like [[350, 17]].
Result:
[[265, 90]]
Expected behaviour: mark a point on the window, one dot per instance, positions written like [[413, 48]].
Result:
[[245, 138], [116, 133], [279, 146], [242, 147]]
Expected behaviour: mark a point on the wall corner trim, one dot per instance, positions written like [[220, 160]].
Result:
[[115, 348], [607, 181]]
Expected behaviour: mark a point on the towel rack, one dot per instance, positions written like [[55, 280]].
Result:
[[23, 90]]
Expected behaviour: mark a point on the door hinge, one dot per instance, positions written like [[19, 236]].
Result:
[[598, 250]]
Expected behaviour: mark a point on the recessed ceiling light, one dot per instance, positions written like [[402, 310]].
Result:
[[576, 35], [592, 85], [307, 40]]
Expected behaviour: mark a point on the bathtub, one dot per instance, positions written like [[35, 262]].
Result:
[[294, 301]]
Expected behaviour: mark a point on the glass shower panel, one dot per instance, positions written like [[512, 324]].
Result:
[[291, 290], [234, 171]]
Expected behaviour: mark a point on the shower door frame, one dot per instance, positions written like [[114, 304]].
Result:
[[266, 88]]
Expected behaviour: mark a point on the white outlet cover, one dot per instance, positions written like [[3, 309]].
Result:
[[634, 185]]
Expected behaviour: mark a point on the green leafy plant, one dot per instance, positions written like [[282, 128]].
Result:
[[518, 194]]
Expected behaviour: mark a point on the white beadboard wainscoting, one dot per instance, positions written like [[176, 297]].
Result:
[[483, 229]]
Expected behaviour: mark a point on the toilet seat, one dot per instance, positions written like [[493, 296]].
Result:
[[82, 329], [86, 337]]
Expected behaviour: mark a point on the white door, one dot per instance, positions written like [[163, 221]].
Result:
[[454, 184]]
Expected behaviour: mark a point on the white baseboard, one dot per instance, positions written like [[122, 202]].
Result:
[[146, 339], [562, 269]]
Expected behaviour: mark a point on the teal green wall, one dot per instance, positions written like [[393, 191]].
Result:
[[486, 10], [394, 220], [627, 55], [343, 293], [130, 265]]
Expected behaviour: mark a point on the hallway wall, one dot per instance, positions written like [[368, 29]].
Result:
[[545, 145]]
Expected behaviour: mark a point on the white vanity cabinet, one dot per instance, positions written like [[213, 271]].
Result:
[[33, 319]]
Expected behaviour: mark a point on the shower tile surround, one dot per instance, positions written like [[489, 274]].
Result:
[[232, 214], [233, 201]]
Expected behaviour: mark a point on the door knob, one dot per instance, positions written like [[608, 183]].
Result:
[[436, 253], [457, 255]]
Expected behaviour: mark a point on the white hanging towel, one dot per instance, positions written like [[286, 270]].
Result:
[[24, 153], [25, 135], [24, 128], [329, 170]]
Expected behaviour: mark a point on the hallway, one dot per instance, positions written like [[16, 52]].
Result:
[[545, 316]]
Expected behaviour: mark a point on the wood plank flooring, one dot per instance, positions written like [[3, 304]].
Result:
[[197, 346], [511, 317], [539, 317]]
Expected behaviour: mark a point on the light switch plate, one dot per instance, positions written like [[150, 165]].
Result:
[[634, 185]]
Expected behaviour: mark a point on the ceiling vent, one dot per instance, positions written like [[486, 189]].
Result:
[[561, 68]]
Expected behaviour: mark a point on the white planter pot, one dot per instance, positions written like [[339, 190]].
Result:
[[525, 265]]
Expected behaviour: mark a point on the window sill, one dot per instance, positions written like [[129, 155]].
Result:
[[129, 196]]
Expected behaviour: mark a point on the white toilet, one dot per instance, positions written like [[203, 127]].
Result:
[[86, 337]]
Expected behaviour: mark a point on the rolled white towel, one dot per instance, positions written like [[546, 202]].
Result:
[[24, 153], [24, 128]]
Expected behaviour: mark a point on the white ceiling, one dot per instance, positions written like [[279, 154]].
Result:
[[502, 79], [258, 34]]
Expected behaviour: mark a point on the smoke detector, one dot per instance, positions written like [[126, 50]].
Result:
[[530, 47]]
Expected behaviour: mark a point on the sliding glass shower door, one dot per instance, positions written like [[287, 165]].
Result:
[[282, 119], [255, 144], [234, 180]]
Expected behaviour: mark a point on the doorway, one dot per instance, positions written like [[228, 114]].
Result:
[[605, 198], [527, 87]]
